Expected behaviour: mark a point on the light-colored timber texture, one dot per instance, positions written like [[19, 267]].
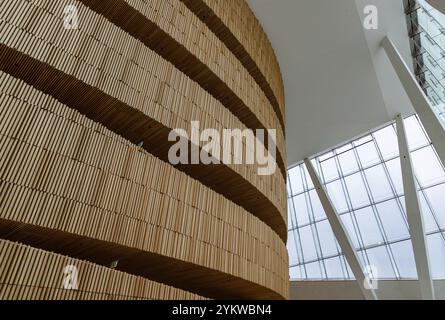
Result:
[[180, 37], [34, 274], [235, 24], [149, 96], [84, 121]]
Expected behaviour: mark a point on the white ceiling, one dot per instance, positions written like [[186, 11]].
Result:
[[338, 81]]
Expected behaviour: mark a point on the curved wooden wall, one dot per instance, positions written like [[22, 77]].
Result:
[[235, 24], [33, 274], [75, 105]]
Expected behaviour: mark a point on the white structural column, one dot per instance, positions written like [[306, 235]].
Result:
[[413, 213], [341, 234], [419, 100]]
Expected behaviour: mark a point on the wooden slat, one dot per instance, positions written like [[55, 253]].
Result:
[[124, 205], [262, 195], [233, 22], [39, 274]]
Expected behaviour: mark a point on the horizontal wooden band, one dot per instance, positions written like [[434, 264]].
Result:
[[28, 273], [232, 181], [235, 25], [173, 31], [61, 171], [84, 118], [100, 47], [126, 69]]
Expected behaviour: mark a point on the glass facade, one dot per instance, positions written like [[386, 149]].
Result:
[[364, 182], [427, 31]]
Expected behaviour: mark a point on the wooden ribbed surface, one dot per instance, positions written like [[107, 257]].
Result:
[[173, 31], [33, 274], [235, 25], [99, 186], [151, 93], [75, 105]]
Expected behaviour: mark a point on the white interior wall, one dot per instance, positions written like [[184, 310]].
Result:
[[338, 83]]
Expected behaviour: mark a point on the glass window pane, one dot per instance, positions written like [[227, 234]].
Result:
[[367, 223], [291, 214], [436, 252], [301, 209], [318, 211], [292, 249], [392, 220], [387, 142], [427, 167], [296, 183], [307, 242], [313, 270], [345, 263], [308, 182], [378, 183], [333, 268], [429, 223], [368, 154], [436, 197], [329, 168], [363, 140], [395, 173], [347, 221], [337, 195], [348, 162], [327, 239], [357, 190], [379, 258], [369, 228], [296, 273], [414, 133], [404, 257]]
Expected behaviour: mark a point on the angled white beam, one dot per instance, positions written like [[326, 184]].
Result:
[[413, 213], [341, 234], [419, 100]]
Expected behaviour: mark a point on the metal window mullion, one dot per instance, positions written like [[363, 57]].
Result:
[[298, 244], [322, 261], [374, 165], [393, 187], [421, 103], [313, 226], [323, 180], [397, 198], [350, 208], [376, 214], [341, 234], [350, 205], [297, 240], [414, 215], [428, 203], [420, 188], [368, 167], [373, 246]]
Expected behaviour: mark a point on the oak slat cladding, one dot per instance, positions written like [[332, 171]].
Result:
[[123, 119], [92, 51], [30, 12], [173, 31], [237, 27], [28, 273], [71, 186]]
